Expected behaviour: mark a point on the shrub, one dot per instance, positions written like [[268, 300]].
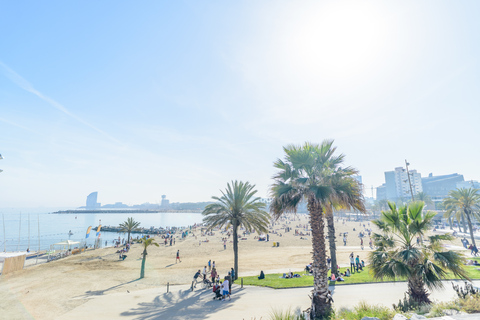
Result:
[[438, 308], [364, 309], [471, 304]]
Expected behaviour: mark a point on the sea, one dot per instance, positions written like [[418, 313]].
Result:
[[38, 229]]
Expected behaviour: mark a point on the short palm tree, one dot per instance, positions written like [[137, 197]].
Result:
[[129, 226], [237, 207], [465, 202], [311, 172], [422, 196], [146, 242], [400, 256]]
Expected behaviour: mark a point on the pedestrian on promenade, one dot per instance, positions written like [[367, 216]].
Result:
[[178, 257]]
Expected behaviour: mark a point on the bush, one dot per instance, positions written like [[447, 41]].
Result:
[[471, 304], [438, 308], [363, 309], [287, 315], [408, 304]]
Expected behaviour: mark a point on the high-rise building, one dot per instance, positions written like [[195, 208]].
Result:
[[397, 184], [92, 201], [438, 187]]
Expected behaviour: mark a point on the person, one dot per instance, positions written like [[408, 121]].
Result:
[[209, 265], [370, 243], [262, 275], [195, 278], [357, 263], [204, 273], [28, 249], [361, 243], [213, 264], [226, 289], [213, 274], [347, 273], [268, 237], [178, 256], [224, 244], [344, 240], [232, 273], [352, 262], [329, 261], [229, 278], [363, 264]]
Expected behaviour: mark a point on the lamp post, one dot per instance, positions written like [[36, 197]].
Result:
[[409, 182]]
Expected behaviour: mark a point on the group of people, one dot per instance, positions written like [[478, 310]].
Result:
[[355, 263], [224, 288]]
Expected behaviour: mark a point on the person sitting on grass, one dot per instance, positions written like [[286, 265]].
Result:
[[262, 275], [347, 273]]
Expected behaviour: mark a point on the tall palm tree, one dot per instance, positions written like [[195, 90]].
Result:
[[146, 242], [466, 202], [311, 172], [452, 212], [129, 226], [237, 207], [398, 255]]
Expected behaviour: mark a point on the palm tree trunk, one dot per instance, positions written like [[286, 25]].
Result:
[[450, 223], [470, 227], [128, 239], [321, 305], [331, 240], [464, 224], [416, 289], [459, 226], [235, 250], [142, 270]]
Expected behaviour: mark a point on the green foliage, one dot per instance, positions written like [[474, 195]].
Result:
[[438, 309], [129, 226], [364, 309], [288, 314], [470, 304], [407, 304], [400, 256]]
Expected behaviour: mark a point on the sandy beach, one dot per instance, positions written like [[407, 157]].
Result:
[[58, 288]]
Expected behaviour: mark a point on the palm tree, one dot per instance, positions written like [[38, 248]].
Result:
[[146, 242], [399, 255], [312, 173], [129, 226], [422, 196], [465, 202], [452, 212], [237, 207]]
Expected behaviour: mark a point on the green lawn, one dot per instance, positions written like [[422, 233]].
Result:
[[277, 282]]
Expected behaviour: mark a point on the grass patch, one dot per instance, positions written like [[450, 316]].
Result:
[[275, 280]]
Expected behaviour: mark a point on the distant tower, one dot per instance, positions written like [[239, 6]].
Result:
[[165, 202], [92, 200]]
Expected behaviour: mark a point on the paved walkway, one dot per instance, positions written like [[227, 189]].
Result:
[[247, 303]]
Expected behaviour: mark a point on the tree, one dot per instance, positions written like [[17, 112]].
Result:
[[312, 173], [129, 226], [237, 207], [465, 202], [399, 255], [146, 242], [422, 196]]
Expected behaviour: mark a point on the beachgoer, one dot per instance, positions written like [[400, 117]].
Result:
[[213, 274], [262, 275], [232, 273], [224, 245], [344, 240], [352, 262], [195, 278], [209, 265], [225, 289], [357, 263], [204, 272], [213, 264], [178, 256]]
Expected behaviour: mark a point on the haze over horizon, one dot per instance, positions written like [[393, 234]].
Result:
[[136, 100]]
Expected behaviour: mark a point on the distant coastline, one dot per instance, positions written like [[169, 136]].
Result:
[[123, 211]]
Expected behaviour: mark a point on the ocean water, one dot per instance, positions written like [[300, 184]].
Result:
[[22, 229]]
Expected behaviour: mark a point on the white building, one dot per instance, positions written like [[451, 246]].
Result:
[[402, 184]]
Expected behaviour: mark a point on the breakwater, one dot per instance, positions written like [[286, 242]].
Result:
[[151, 230]]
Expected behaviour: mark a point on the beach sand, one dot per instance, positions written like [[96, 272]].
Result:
[[50, 290]]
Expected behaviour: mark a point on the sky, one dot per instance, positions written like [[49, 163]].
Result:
[[139, 99]]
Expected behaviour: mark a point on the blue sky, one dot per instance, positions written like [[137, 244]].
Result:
[[139, 99]]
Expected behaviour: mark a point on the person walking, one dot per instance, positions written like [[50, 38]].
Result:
[[361, 243], [204, 273], [195, 278], [344, 240], [178, 257], [209, 265], [224, 244], [225, 289]]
